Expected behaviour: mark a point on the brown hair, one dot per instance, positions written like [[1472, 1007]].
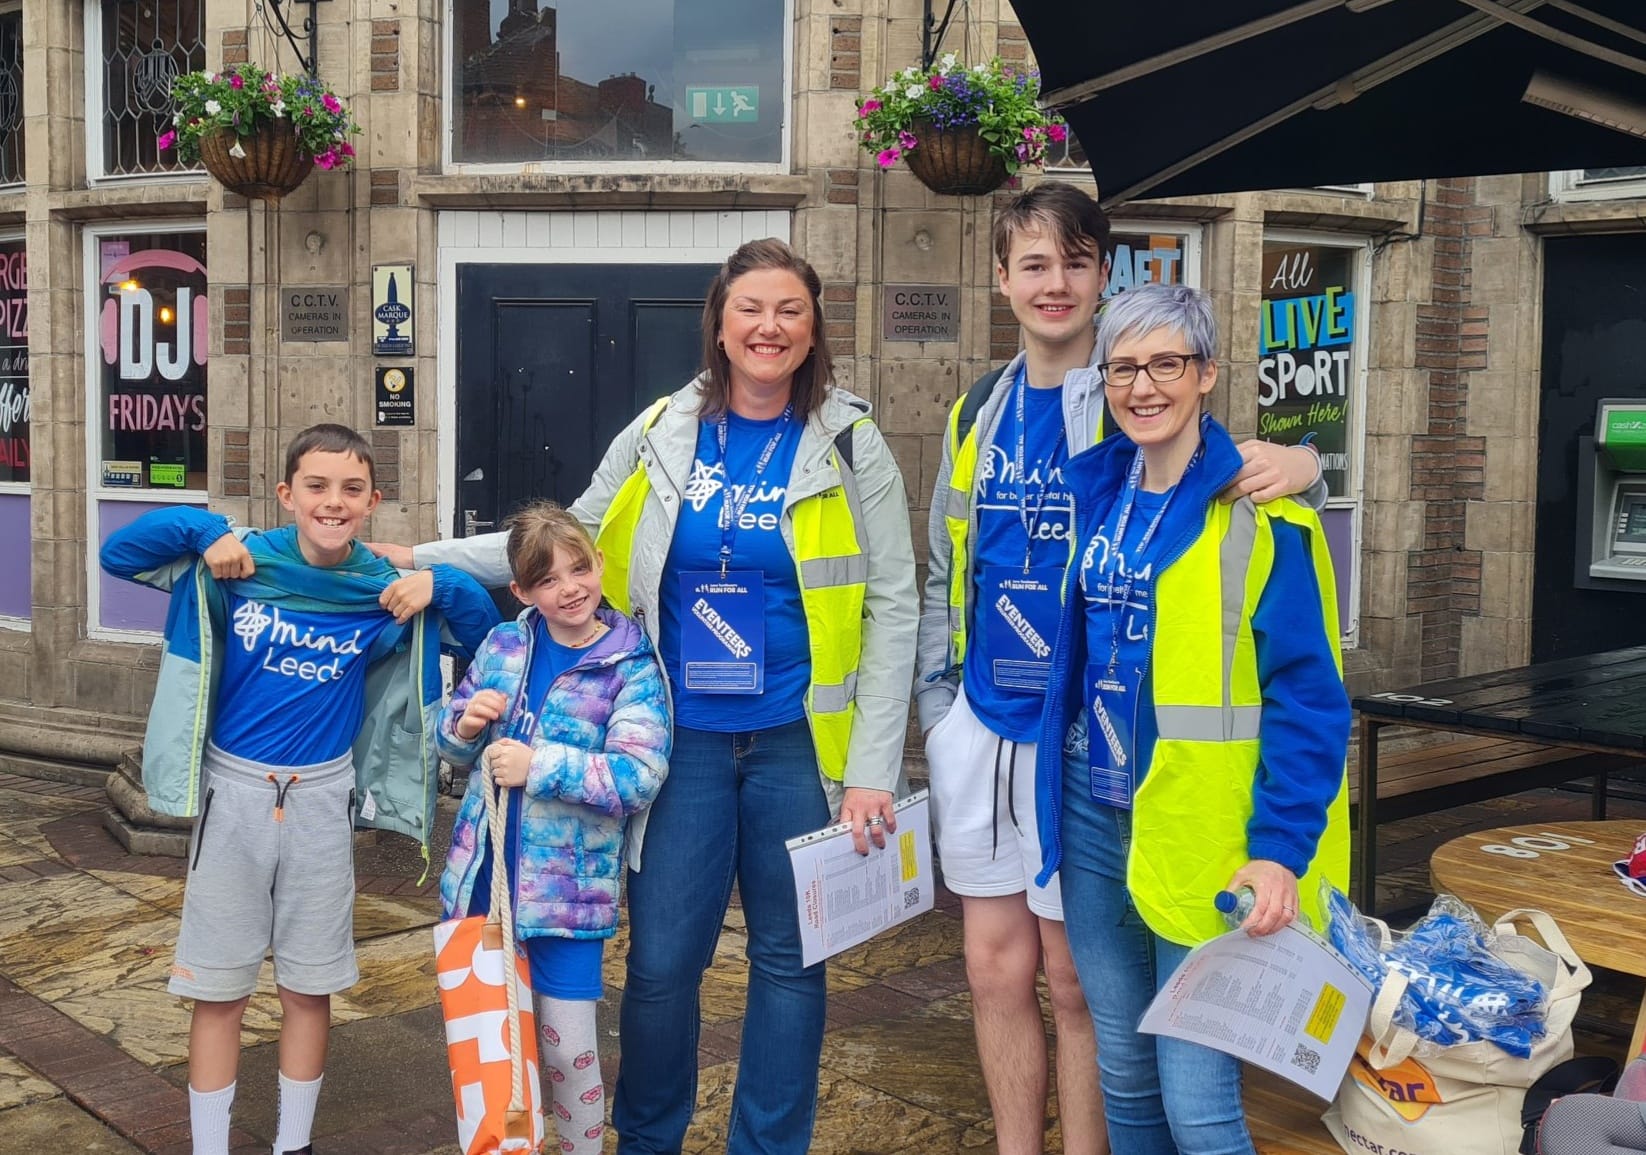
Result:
[[535, 532], [1075, 222], [329, 439], [815, 375]]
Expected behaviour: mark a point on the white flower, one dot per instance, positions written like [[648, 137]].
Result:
[[177, 118], [278, 108], [914, 90], [213, 108], [237, 152], [910, 72], [980, 68], [949, 60]]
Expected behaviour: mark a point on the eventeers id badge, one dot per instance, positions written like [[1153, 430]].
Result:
[[723, 632], [1112, 723], [1020, 611]]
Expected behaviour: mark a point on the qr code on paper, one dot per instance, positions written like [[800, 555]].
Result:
[[911, 897], [1305, 1058]]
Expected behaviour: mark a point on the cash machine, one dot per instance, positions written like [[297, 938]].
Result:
[[1611, 507]]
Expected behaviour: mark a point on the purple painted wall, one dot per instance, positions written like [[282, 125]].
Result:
[[1340, 536], [124, 605], [16, 581]]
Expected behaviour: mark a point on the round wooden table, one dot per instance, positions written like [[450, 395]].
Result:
[[1564, 868]]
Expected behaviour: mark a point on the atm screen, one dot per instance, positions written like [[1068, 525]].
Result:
[[1633, 530]]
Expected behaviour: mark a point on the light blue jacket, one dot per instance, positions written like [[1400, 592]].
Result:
[[395, 763]]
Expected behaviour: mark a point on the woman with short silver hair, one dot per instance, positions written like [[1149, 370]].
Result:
[[1196, 725]]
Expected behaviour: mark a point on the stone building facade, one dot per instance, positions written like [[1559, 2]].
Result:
[[560, 182]]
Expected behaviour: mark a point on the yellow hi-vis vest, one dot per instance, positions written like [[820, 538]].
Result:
[[1190, 813], [957, 517], [832, 565]]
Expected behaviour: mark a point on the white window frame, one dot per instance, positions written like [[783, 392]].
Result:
[[1570, 185], [1360, 366], [96, 174], [448, 105], [1362, 189], [17, 488], [96, 491], [1192, 232]]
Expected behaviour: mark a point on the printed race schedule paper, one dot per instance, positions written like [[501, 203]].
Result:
[[1285, 1002], [845, 897]]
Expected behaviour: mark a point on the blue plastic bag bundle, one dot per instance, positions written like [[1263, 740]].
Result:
[[1458, 990]]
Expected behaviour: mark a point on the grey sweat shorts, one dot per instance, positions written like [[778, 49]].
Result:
[[271, 867]]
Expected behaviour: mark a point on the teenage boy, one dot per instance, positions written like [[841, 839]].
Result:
[[1000, 541], [289, 705]]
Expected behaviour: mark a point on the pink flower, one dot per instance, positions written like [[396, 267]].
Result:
[[327, 159], [888, 158], [1028, 133], [867, 107], [348, 149], [237, 81], [907, 140], [1057, 132], [331, 102], [166, 140], [936, 82]]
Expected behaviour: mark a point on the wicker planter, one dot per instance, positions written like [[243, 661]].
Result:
[[954, 161], [271, 168]]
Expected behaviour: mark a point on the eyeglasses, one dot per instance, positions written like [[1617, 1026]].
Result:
[[1161, 369]]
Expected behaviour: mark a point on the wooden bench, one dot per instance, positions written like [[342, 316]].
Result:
[[1285, 1120], [1469, 768]]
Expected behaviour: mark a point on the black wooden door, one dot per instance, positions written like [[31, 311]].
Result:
[[1594, 346], [552, 362]]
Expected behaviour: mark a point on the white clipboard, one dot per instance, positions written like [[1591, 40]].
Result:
[[846, 898]]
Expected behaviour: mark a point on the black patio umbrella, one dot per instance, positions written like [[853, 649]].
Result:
[[1179, 97]]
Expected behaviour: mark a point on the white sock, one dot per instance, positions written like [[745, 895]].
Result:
[[297, 1102], [571, 1072], [209, 1120]]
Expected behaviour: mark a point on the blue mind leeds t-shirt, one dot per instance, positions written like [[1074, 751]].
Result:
[[1014, 616], [293, 687], [757, 545]]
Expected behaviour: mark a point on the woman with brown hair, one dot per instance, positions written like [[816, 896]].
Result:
[[755, 524]]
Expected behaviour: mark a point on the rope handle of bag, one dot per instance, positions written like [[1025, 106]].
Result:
[[502, 913]]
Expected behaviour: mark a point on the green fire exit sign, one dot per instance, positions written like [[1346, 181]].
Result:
[[734, 105]]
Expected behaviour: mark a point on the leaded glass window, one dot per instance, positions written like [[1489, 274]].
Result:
[[11, 97], [144, 45]]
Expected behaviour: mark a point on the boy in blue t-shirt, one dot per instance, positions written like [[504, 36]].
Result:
[[271, 772]]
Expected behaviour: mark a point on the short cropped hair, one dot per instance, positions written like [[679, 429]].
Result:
[[535, 532], [1074, 221], [328, 438], [1140, 311]]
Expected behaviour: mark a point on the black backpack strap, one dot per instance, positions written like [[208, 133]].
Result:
[[982, 389], [1591, 1073], [843, 447]]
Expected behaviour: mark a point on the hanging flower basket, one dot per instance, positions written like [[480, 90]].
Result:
[[955, 162], [271, 165], [962, 131], [257, 132]]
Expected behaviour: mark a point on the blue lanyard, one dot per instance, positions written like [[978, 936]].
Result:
[[1128, 498], [1030, 524], [732, 509]]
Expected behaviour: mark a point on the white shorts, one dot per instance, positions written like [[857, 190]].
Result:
[[983, 811]]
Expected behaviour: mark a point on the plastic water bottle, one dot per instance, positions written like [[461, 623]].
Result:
[[1235, 905]]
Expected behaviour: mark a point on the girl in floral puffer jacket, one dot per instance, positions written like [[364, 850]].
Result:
[[569, 704]]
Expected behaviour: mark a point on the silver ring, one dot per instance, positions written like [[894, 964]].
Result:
[[875, 821]]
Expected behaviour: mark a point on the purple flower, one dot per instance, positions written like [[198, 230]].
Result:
[[907, 140], [237, 81], [888, 158], [1022, 152], [166, 140]]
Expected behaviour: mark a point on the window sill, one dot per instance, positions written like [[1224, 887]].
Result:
[[613, 191], [168, 197]]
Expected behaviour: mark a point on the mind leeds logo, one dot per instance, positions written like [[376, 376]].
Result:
[[250, 620], [703, 484]]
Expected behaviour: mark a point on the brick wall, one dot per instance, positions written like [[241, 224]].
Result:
[[845, 52], [1447, 465]]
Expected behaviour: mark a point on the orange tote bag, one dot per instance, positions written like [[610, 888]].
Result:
[[491, 1033]]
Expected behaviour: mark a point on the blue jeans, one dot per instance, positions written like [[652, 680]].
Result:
[[1161, 1096], [729, 804]]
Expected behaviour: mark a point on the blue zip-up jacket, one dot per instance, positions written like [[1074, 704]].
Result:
[[599, 756], [395, 761], [1300, 742]]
